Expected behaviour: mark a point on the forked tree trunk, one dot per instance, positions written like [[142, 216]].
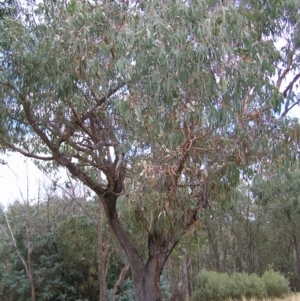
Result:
[[145, 276], [146, 281]]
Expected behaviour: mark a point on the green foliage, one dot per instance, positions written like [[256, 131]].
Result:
[[77, 239], [278, 194], [217, 286], [7, 8], [213, 286], [249, 285], [64, 258], [14, 286], [277, 286], [164, 284], [203, 65], [191, 91]]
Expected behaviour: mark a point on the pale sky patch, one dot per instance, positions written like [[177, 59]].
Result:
[[20, 179]]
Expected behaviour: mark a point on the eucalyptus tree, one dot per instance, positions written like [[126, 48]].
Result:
[[278, 194], [171, 100]]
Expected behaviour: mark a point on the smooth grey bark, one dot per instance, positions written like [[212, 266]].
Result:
[[119, 281]]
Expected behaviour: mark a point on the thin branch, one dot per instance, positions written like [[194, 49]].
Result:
[[110, 93], [186, 149], [80, 122], [190, 185], [11, 237], [287, 69], [119, 281], [289, 108], [103, 99], [205, 149], [201, 137], [2, 162], [290, 86], [73, 196], [26, 154]]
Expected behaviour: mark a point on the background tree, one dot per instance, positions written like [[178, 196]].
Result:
[[63, 252], [279, 195]]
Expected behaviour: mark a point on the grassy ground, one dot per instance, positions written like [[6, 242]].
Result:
[[292, 297]]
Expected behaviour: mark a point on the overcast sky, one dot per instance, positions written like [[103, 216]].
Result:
[[19, 174]]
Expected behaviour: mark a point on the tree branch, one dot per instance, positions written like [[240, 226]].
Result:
[[285, 94], [11, 237], [26, 154], [290, 86], [287, 69], [110, 92], [289, 108], [119, 281], [80, 123]]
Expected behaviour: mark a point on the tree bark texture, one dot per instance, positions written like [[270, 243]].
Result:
[[102, 254], [102, 250], [145, 276]]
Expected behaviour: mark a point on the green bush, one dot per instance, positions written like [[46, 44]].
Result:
[[276, 284], [213, 286], [256, 287], [240, 282], [248, 286]]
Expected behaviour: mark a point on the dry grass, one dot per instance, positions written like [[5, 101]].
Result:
[[291, 297]]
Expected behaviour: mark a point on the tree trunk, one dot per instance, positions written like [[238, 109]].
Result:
[[32, 286], [102, 253], [30, 244], [145, 276], [297, 251], [213, 245], [146, 286], [186, 280], [182, 290], [295, 240], [146, 283]]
